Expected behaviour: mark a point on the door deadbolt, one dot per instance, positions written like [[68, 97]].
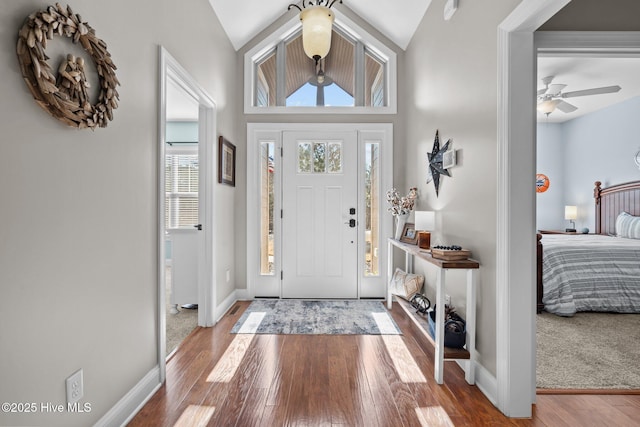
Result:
[[352, 211]]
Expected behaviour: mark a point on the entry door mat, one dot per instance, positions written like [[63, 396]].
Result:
[[348, 317]]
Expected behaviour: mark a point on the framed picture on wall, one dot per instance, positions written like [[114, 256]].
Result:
[[226, 162]]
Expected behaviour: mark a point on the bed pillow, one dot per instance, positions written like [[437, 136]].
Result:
[[405, 285], [628, 226]]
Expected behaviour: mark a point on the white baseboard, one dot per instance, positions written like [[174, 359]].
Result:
[[487, 383], [127, 407], [236, 295]]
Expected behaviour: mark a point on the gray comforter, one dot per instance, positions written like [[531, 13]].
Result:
[[590, 273]]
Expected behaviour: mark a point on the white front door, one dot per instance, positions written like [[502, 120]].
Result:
[[319, 223]]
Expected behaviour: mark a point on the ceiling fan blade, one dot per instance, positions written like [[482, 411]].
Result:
[[541, 91], [565, 107], [594, 91], [555, 89]]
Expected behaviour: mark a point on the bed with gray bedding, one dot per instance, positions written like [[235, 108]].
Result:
[[586, 272]]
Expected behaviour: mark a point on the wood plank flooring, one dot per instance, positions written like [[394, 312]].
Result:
[[221, 379]]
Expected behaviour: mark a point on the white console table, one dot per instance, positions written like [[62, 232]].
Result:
[[442, 353]]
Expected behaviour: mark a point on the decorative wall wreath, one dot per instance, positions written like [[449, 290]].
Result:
[[65, 96]]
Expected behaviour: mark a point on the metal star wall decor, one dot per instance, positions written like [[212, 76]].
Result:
[[435, 163]]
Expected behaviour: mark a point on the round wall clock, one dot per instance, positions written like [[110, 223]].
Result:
[[63, 94], [542, 183]]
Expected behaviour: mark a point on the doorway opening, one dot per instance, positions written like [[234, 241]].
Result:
[[186, 155], [182, 218], [569, 153]]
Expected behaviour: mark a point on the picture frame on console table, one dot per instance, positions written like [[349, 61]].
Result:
[[409, 234]]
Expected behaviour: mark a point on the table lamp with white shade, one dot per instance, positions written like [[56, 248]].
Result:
[[425, 222], [571, 213]]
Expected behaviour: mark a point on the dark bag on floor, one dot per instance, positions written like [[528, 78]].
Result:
[[455, 328]]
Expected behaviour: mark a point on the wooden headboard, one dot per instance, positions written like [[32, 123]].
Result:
[[611, 201]]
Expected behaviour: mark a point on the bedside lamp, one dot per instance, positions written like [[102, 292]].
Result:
[[571, 213], [425, 222]]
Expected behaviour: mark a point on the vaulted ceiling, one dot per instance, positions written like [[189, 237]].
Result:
[[397, 20]]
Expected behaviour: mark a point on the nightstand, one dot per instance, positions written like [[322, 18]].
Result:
[[557, 232]]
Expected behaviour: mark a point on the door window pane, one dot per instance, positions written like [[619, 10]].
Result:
[[267, 172], [304, 157], [372, 209], [319, 157], [334, 157]]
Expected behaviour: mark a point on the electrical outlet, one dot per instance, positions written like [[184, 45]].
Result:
[[447, 299], [75, 387]]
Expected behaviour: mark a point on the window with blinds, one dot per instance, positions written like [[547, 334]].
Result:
[[181, 189]]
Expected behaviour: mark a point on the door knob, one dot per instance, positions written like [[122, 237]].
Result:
[[198, 226], [351, 222]]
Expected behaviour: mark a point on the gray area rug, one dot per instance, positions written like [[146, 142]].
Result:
[[588, 351], [316, 317]]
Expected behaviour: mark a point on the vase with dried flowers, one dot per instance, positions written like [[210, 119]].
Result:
[[401, 207]]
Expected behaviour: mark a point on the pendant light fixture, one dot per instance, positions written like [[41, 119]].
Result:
[[317, 22]]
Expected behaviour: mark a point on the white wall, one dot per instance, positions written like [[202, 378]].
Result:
[[78, 251], [600, 147], [551, 162], [451, 69], [595, 147]]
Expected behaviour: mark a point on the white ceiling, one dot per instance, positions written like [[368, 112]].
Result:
[[397, 20], [180, 105], [586, 73]]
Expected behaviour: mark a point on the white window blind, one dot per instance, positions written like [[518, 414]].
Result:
[[181, 189]]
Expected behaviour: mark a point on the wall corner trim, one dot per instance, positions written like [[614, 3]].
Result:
[[127, 407]]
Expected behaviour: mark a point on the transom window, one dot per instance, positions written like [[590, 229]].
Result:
[[357, 76]]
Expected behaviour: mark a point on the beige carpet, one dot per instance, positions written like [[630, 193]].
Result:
[[178, 325], [588, 351]]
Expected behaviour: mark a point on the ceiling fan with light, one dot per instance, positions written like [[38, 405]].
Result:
[[551, 96]]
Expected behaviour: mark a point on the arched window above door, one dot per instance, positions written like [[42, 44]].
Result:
[[357, 76]]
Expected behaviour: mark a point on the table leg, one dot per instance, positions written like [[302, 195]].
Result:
[[389, 273], [439, 350], [471, 325], [408, 262]]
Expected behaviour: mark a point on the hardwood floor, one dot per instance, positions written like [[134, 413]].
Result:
[[221, 379]]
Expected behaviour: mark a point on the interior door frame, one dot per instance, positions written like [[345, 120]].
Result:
[[256, 132], [516, 207], [207, 154], [515, 291]]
